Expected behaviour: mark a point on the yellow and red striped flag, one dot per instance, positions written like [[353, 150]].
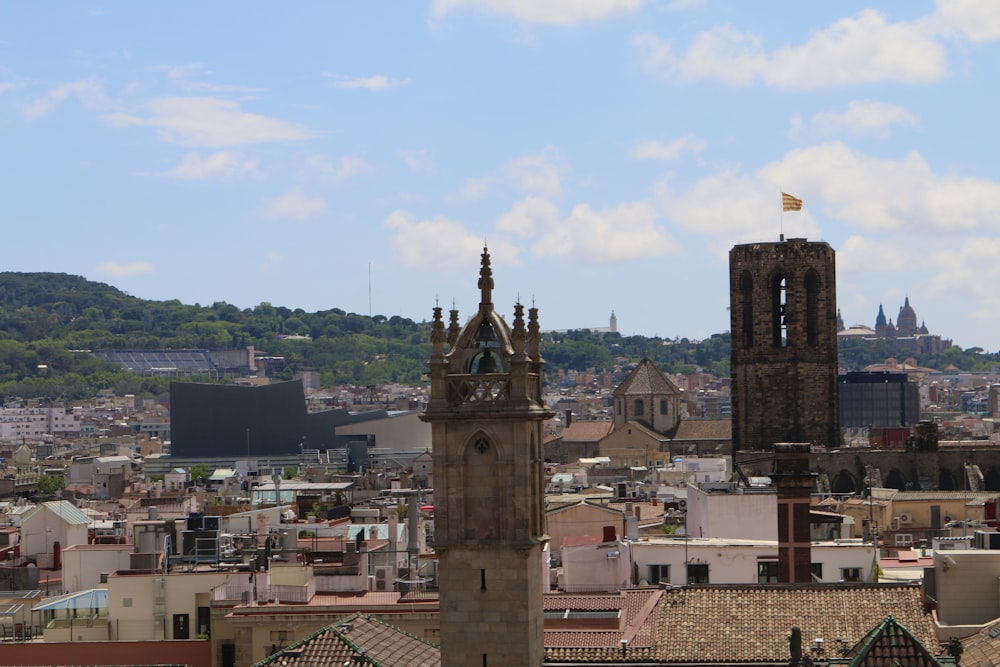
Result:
[[790, 203]]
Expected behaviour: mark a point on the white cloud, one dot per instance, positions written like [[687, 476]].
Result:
[[860, 50], [538, 174], [348, 166], [294, 204], [528, 216], [418, 161], [222, 165], [877, 194], [124, 270], [978, 19], [863, 255], [209, 122], [625, 233], [440, 243], [861, 117], [651, 149], [471, 188], [374, 83], [738, 207], [972, 268], [548, 12], [90, 94]]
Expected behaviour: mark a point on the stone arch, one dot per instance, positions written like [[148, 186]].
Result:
[[895, 480], [946, 481], [481, 509], [844, 483], [991, 480], [779, 312]]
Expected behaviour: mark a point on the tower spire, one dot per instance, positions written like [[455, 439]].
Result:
[[485, 282]]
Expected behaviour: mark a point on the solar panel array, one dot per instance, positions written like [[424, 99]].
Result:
[[169, 363]]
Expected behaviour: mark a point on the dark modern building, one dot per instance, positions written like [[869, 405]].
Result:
[[232, 420], [783, 310], [878, 399]]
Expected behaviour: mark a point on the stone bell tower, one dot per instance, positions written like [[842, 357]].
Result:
[[783, 310], [486, 414]]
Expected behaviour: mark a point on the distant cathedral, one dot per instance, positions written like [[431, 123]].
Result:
[[903, 335]]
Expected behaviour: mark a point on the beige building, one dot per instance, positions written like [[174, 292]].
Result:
[[579, 519], [635, 444], [649, 397]]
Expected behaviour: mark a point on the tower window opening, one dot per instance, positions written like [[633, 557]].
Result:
[[639, 411], [779, 310], [482, 580]]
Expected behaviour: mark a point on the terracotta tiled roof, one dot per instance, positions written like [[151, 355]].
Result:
[[733, 624], [644, 380], [983, 648], [583, 431], [637, 626], [704, 429], [360, 634]]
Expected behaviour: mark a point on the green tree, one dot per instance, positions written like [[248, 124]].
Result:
[[48, 486], [200, 472]]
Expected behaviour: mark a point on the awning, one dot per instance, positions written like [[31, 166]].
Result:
[[95, 598]]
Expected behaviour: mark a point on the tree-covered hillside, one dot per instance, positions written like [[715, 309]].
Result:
[[46, 319]]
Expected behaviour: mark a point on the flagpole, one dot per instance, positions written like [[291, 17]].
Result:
[[781, 220]]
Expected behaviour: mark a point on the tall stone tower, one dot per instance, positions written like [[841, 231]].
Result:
[[486, 414], [783, 309]]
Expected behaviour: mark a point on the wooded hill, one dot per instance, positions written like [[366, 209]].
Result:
[[48, 319]]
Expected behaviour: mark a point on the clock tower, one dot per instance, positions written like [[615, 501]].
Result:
[[486, 414]]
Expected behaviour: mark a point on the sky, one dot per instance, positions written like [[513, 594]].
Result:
[[322, 155]]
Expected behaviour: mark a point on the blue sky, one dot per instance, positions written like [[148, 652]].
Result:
[[610, 152]]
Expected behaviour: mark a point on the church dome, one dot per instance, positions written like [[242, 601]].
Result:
[[906, 322]]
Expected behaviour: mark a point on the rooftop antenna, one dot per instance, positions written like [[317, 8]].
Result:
[[369, 289]]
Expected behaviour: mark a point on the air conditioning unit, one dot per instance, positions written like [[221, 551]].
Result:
[[905, 518], [682, 504], [383, 579]]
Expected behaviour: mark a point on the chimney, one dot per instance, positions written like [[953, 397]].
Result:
[[569, 418], [794, 483]]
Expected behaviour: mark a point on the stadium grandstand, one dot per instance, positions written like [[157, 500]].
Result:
[[180, 363]]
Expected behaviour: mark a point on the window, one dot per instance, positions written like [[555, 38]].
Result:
[[659, 573], [850, 573], [904, 539], [663, 406], [767, 572], [619, 407], [638, 408], [817, 571], [697, 573], [779, 314]]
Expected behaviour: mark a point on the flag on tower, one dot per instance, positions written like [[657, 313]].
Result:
[[790, 203]]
